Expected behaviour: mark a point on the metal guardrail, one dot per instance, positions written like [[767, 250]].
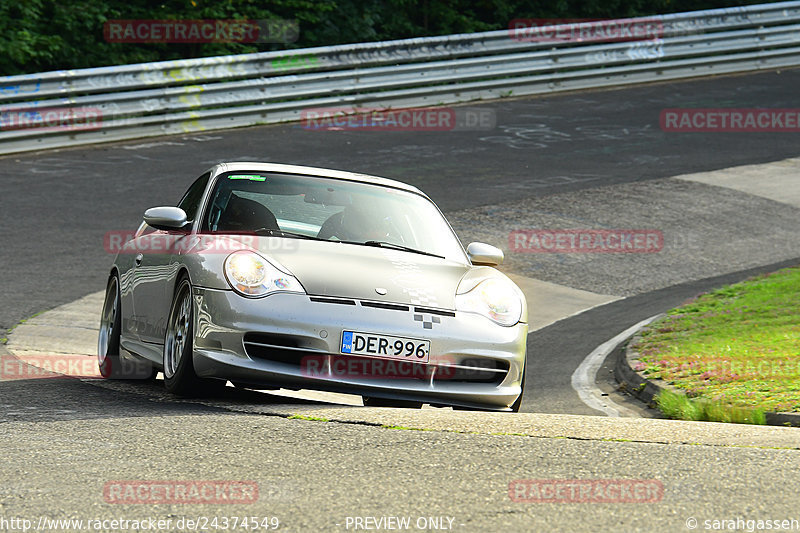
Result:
[[194, 95]]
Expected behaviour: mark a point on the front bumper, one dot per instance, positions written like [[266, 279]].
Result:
[[293, 341]]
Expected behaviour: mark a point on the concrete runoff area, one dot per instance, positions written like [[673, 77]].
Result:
[[779, 181]]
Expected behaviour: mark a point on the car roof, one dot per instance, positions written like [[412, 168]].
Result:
[[243, 166]]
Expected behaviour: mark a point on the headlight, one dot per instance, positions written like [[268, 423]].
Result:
[[249, 274], [496, 299]]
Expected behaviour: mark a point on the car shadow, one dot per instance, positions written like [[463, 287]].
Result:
[[68, 398]]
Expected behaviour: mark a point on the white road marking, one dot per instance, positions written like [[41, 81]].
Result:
[[583, 379], [152, 145]]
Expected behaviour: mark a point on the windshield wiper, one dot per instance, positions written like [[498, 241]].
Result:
[[269, 232], [384, 244], [378, 244]]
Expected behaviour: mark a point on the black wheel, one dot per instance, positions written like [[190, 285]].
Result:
[[515, 407], [179, 375], [111, 365], [370, 401]]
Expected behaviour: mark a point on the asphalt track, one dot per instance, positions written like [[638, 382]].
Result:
[[58, 205]]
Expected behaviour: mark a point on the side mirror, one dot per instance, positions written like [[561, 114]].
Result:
[[165, 218], [480, 253]]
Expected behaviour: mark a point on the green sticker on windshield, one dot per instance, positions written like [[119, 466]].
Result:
[[251, 177]]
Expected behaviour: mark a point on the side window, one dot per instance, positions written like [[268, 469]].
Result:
[[191, 200]]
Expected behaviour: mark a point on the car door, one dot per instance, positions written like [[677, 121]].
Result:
[[156, 267]]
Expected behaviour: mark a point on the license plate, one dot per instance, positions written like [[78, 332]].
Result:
[[375, 345]]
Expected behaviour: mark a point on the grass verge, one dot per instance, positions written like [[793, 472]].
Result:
[[734, 352], [676, 405]]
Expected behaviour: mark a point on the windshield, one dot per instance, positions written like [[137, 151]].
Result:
[[356, 213]]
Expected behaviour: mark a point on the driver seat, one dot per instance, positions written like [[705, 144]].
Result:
[[350, 224], [245, 216]]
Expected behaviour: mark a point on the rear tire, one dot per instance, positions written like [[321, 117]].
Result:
[[111, 365]]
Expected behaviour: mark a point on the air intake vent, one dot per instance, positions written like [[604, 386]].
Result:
[[433, 311], [474, 371], [279, 348], [340, 301], [381, 305]]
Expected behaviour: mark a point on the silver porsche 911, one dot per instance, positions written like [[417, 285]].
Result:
[[279, 276]]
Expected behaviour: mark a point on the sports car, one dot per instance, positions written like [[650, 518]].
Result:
[[279, 276]]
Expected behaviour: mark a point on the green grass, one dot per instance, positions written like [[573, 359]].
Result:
[[4, 340], [676, 405], [303, 417], [735, 348]]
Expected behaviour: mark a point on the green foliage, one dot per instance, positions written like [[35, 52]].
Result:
[[680, 407], [42, 35]]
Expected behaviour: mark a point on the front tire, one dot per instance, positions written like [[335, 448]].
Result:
[[179, 375], [517, 405]]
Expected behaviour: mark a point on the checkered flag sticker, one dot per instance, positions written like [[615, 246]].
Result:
[[427, 320]]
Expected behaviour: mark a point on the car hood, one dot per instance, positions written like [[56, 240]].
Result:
[[362, 272]]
